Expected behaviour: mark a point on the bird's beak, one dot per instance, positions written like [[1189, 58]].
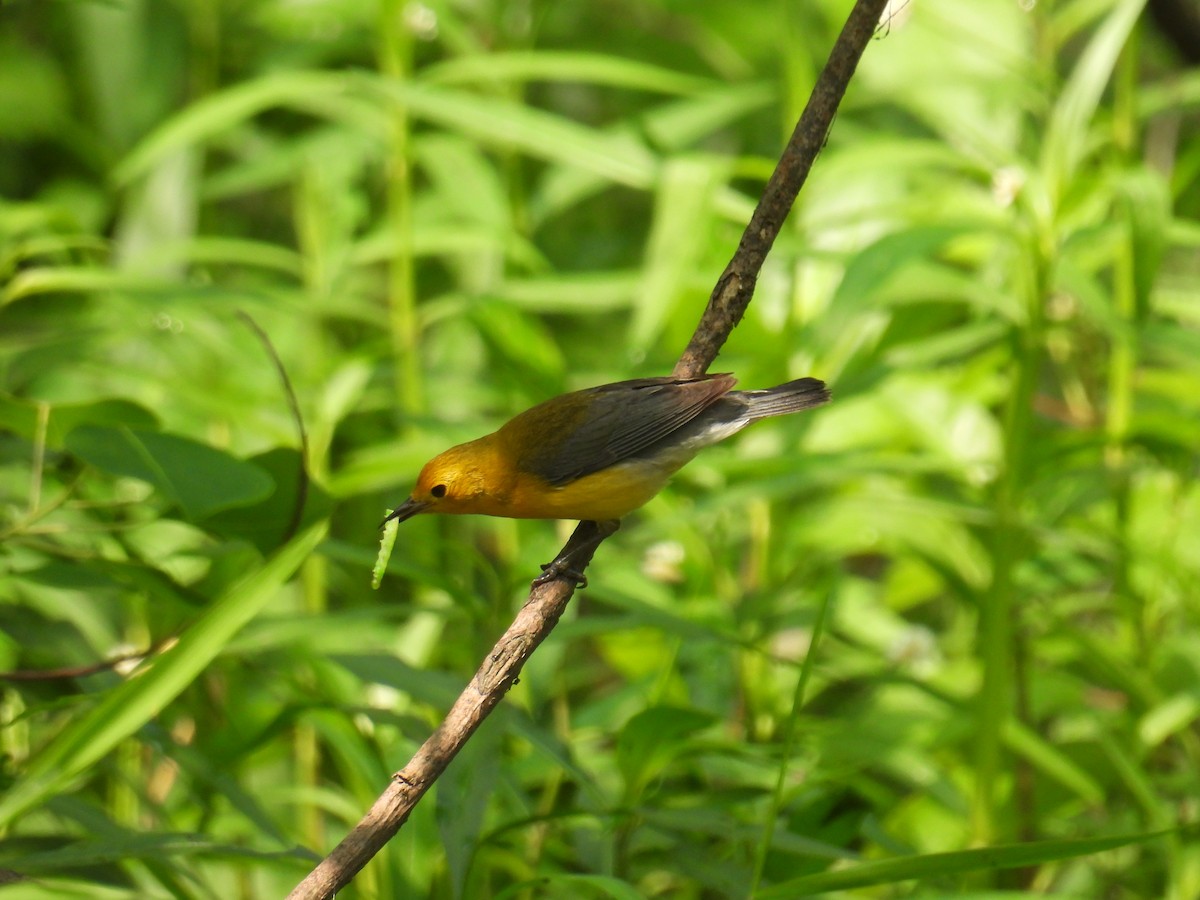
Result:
[[405, 510]]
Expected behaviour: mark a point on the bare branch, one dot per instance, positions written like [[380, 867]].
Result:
[[496, 675], [735, 287], [546, 602]]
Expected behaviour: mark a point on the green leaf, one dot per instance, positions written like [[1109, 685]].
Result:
[[200, 478], [20, 416], [464, 793], [938, 865], [125, 709], [1167, 718], [1053, 762], [681, 123], [1066, 137], [547, 65], [139, 577], [150, 846], [317, 92], [572, 885], [683, 215], [520, 341], [77, 279], [497, 122], [592, 292], [652, 739], [869, 270], [1147, 204], [273, 519], [618, 158]]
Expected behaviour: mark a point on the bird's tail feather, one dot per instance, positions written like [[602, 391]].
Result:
[[803, 393]]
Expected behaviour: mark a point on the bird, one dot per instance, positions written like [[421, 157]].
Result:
[[596, 454]]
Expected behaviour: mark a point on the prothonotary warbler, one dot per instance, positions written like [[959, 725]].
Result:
[[596, 454]]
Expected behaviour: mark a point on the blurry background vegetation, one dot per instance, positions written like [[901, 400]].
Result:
[[442, 212]]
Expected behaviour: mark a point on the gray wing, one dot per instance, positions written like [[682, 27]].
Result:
[[617, 421]]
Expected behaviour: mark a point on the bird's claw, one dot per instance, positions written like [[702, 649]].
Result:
[[560, 569]]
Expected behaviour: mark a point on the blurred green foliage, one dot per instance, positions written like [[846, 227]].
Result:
[[442, 213]]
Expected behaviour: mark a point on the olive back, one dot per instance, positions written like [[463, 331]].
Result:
[[583, 432]]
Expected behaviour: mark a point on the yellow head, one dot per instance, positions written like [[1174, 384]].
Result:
[[462, 480]]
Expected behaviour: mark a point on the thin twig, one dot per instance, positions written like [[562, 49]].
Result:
[[496, 675], [81, 671], [546, 602], [735, 287], [302, 476]]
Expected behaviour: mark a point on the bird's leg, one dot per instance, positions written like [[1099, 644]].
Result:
[[577, 553]]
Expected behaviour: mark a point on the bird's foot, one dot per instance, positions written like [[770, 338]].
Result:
[[560, 568], [575, 556]]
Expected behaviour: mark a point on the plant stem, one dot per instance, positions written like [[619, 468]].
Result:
[[1007, 545], [789, 742], [395, 61]]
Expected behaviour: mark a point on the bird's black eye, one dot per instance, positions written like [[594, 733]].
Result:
[[438, 490]]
